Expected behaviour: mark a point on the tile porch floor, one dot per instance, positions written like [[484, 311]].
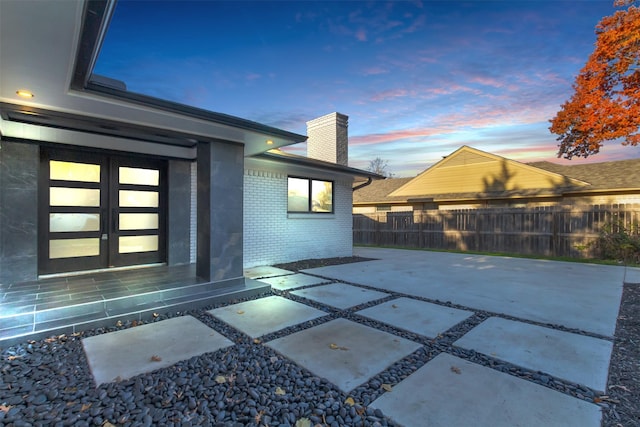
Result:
[[68, 304]]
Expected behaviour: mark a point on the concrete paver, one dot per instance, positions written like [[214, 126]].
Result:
[[129, 352], [293, 281], [632, 275], [575, 295], [340, 295], [449, 391], [576, 358], [265, 315], [265, 271], [344, 352], [420, 317]]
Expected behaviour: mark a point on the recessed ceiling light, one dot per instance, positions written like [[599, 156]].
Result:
[[269, 142], [25, 93]]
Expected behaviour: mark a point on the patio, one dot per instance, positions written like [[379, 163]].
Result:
[[376, 343]]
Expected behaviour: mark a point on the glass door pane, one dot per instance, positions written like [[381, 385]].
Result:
[[70, 171], [71, 248], [98, 211], [72, 211], [137, 211], [69, 223]]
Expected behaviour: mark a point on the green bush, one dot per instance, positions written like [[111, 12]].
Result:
[[620, 242]]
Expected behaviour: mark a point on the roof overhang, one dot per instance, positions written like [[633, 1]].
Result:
[[292, 159], [50, 48], [384, 202], [601, 191], [314, 164]]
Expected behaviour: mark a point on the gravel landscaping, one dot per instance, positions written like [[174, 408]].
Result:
[[624, 372], [48, 382]]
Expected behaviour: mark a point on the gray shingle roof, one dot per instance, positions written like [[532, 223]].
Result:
[[602, 176], [614, 175], [377, 191]]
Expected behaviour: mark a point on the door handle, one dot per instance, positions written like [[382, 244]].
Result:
[[103, 225]]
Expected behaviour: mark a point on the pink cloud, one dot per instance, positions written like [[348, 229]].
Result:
[[447, 89], [487, 81], [551, 77], [380, 138], [374, 71], [541, 151], [361, 35], [389, 94], [252, 76], [471, 117]]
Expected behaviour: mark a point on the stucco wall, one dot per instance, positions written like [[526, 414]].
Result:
[[271, 235]]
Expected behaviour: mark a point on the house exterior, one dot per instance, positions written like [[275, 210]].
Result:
[[277, 229], [94, 177], [471, 179]]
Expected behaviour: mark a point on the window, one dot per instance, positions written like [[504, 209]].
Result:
[[309, 195]]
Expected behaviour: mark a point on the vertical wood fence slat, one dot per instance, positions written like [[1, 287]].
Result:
[[555, 231]]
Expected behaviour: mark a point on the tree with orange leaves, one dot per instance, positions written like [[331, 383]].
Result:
[[606, 103]]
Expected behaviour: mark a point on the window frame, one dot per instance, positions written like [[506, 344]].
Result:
[[310, 182]]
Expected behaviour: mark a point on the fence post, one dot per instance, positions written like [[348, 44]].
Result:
[[477, 234], [554, 231], [420, 237]]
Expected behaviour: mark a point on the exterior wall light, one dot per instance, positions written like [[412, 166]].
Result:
[[24, 93], [269, 142]]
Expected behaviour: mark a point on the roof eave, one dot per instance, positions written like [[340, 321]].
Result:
[[97, 15], [194, 112], [318, 164], [603, 191], [382, 202]]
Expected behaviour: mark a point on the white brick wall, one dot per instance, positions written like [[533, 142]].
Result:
[[272, 236], [264, 224]]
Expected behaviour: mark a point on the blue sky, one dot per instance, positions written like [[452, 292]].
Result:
[[417, 79]]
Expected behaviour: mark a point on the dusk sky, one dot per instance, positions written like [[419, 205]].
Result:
[[417, 79]]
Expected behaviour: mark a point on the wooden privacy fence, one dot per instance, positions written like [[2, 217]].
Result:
[[549, 231]]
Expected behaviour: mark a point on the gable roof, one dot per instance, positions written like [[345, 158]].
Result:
[[620, 174], [471, 172], [378, 191]]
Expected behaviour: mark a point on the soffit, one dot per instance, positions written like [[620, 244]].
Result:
[[291, 163]]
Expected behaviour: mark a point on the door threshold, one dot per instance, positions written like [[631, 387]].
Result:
[[100, 270]]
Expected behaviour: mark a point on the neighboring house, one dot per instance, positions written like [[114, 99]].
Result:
[[469, 178], [94, 177], [375, 197]]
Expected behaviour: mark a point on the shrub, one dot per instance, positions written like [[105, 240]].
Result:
[[619, 241]]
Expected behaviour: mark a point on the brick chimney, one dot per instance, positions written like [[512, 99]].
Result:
[[328, 138]]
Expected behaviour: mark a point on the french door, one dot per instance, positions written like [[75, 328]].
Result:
[[99, 211]]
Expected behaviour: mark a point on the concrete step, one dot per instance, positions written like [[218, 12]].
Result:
[[25, 322]]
